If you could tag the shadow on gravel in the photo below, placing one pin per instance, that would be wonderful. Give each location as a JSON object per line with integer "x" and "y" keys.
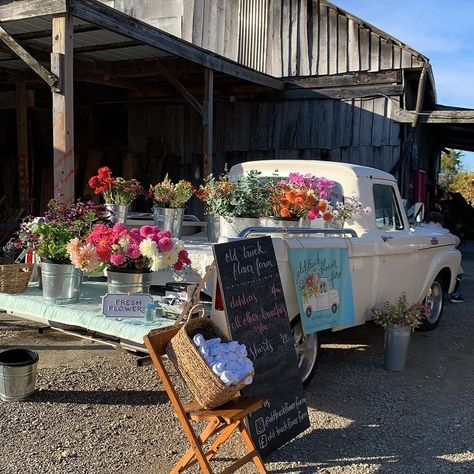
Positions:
{"x": 101, "y": 397}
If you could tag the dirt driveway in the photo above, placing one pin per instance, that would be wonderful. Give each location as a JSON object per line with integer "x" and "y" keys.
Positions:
{"x": 96, "y": 412}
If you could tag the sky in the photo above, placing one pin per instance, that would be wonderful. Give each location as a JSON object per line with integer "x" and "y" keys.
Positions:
{"x": 441, "y": 30}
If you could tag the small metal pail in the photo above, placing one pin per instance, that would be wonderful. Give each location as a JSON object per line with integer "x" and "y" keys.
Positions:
{"x": 128, "y": 282}
{"x": 61, "y": 283}
{"x": 169, "y": 219}
{"x": 18, "y": 368}
{"x": 117, "y": 213}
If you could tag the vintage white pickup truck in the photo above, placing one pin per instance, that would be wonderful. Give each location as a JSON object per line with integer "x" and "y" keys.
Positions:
{"x": 387, "y": 254}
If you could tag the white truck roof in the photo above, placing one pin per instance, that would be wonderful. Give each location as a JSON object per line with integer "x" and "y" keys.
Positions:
{"x": 328, "y": 169}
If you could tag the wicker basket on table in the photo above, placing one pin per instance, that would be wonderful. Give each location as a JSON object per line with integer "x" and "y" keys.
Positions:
{"x": 208, "y": 390}
{"x": 14, "y": 277}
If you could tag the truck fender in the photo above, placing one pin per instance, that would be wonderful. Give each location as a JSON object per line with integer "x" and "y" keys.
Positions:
{"x": 448, "y": 261}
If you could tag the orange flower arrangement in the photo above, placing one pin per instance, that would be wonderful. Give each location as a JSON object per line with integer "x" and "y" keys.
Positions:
{"x": 291, "y": 202}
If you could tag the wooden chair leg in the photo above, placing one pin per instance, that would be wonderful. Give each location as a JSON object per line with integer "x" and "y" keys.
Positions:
{"x": 222, "y": 438}
{"x": 184, "y": 462}
{"x": 257, "y": 460}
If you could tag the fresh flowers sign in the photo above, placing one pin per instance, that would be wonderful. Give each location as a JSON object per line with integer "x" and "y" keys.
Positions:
{"x": 323, "y": 287}
{"x": 119, "y": 249}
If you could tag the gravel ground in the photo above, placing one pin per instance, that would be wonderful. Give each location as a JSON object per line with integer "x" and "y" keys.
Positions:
{"x": 94, "y": 411}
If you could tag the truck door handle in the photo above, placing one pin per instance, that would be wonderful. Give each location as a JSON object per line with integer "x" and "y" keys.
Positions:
{"x": 386, "y": 237}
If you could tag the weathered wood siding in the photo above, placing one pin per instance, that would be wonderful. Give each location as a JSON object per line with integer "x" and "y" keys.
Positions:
{"x": 357, "y": 131}
{"x": 280, "y": 37}
{"x": 316, "y": 38}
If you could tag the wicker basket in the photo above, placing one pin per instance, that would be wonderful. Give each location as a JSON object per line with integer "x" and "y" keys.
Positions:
{"x": 206, "y": 387}
{"x": 14, "y": 277}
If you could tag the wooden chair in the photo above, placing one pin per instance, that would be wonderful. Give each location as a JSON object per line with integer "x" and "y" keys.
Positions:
{"x": 223, "y": 420}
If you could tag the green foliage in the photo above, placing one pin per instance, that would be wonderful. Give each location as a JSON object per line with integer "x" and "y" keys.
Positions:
{"x": 451, "y": 165}
{"x": 463, "y": 183}
{"x": 400, "y": 313}
{"x": 247, "y": 197}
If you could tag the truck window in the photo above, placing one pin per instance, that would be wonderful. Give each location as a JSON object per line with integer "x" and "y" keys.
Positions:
{"x": 387, "y": 212}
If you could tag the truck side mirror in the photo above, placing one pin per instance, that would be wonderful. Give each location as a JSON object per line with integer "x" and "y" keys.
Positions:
{"x": 416, "y": 213}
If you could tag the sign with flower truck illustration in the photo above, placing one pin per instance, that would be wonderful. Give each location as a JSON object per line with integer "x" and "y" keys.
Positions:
{"x": 323, "y": 287}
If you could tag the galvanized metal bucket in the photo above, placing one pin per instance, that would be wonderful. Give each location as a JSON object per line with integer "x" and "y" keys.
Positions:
{"x": 397, "y": 339}
{"x": 231, "y": 226}
{"x": 61, "y": 283}
{"x": 169, "y": 219}
{"x": 128, "y": 282}
{"x": 213, "y": 227}
{"x": 117, "y": 213}
{"x": 285, "y": 223}
{"x": 18, "y": 368}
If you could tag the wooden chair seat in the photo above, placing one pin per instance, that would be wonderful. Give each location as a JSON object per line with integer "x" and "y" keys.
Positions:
{"x": 222, "y": 421}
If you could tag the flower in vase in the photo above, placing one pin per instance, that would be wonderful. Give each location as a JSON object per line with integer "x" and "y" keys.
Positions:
{"x": 116, "y": 248}
{"x": 167, "y": 194}
{"x": 115, "y": 190}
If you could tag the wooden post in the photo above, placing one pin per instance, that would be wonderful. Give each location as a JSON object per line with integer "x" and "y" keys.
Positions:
{"x": 207, "y": 121}
{"x": 63, "y": 107}
{"x": 22, "y": 145}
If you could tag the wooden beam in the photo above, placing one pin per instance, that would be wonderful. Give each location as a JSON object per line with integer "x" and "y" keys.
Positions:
{"x": 50, "y": 78}
{"x": 48, "y": 33}
{"x": 107, "y": 47}
{"x": 207, "y": 122}
{"x": 434, "y": 116}
{"x": 341, "y": 92}
{"x": 184, "y": 92}
{"x": 22, "y": 144}
{"x": 114, "y": 20}
{"x": 344, "y": 80}
{"x": 63, "y": 108}
{"x": 21, "y": 9}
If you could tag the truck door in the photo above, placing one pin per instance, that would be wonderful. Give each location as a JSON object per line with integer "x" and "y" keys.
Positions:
{"x": 396, "y": 246}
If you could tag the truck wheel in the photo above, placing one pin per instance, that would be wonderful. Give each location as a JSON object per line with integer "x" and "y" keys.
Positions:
{"x": 434, "y": 301}
{"x": 307, "y": 350}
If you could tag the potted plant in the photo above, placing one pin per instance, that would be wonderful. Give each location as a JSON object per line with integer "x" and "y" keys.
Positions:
{"x": 118, "y": 193}
{"x": 48, "y": 236}
{"x": 238, "y": 204}
{"x": 169, "y": 200}
{"x": 128, "y": 255}
{"x": 399, "y": 320}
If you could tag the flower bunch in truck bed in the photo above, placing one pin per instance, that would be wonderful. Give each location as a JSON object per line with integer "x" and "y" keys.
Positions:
{"x": 302, "y": 196}
{"x": 167, "y": 194}
{"x": 115, "y": 190}
{"x": 119, "y": 249}
{"x": 249, "y": 196}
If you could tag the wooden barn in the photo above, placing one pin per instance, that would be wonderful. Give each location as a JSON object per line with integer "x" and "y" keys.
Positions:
{"x": 186, "y": 86}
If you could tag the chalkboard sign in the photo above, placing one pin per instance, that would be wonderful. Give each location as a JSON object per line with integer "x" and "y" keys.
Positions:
{"x": 257, "y": 317}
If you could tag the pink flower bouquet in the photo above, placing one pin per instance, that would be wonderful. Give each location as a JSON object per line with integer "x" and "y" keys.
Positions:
{"x": 116, "y": 248}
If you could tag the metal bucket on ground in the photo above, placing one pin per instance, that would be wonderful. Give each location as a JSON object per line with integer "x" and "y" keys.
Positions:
{"x": 397, "y": 339}
{"x": 18, "y": 368}
{"x": 124, "y": 282}
{"x": 117, "y": 213}
{"x": 169, "y": 219}
{"x": 61, "y": 283}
